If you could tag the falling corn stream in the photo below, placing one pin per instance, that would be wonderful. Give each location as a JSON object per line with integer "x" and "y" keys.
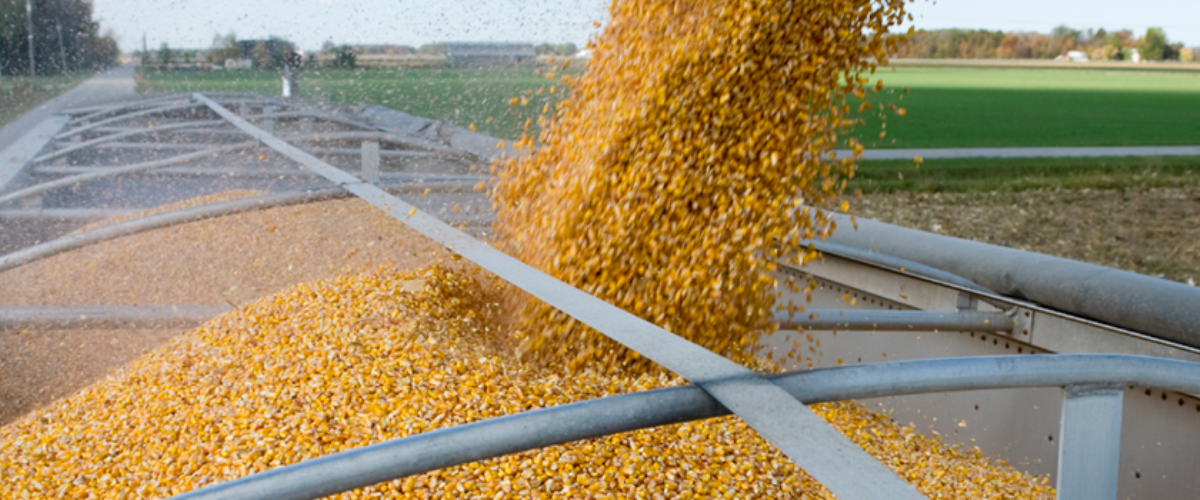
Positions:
{"x": 691, "y": 158}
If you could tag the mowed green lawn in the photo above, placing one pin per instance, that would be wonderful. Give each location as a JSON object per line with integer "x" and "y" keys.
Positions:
{"x": 1018, "y": 174}
{"x": 946, "y": 107}
{"x": 461, "y": 96}
{"x": 986, "y": 107}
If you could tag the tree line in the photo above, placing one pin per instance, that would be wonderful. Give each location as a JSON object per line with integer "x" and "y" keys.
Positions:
{"x": 65, "y": 38}
{"x": 1096, "y": 44}
{"x": 272, "y": 52}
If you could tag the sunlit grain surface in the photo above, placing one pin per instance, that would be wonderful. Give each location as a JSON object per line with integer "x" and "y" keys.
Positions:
{"x": 340, "y": 364}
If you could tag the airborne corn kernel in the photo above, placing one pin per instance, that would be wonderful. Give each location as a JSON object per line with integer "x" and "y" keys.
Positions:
{"x": 681, "y": 169}
{"x": 672, "y": 183}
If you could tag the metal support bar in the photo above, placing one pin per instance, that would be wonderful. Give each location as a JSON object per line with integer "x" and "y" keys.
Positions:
{"x": 1132, "y": 301}
{"x": 183, "y": 216}
{"x": 65, "y": 214}
{"x": 304, "y": 110}
{"x": 265, "y": 172}
{"x": 872, "y": 320}
{"x": 105, "y": 317}
{"x": 409, "y": 142}
{"x": 308, "y": 114}
{"x": 20, "y": 154}
{"x": 185, "y": 131}
{"x": 838, "y": 463}
{"x": 198, "y": 171}
{"x": 895, "y": 263}
{"x": 116, "y": 171}
{"x": 93, "y": 112}
{"x": 1089, "y": 443}
{"x": 98, "y": 110}
{"x": 122, "y": 135}
{"x": 370, "y": 161}
{"x": 101, "y": 123}
{"x": 383, "y": 153}
{"x": 268, "y": 118}
{"x": 535, "y": 429}
{"x": 266, "y": 114}
{"x": 151, "y": 146}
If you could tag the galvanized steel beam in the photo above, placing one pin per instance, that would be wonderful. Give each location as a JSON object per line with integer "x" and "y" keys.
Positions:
{"x": 93, "y": 112}
{"x": 1089, "y": 445}
{"x": 122, "y": 135}
{"x": 101, "y": 123}
{"x": 118, "y": 171}
{"x": 839, "y": 464}
{"x": 267, "y": 172}
{"x": 183, "y": 216}
{"x": 154, "y": 146}
{"x": 1140, "y": 303}
{"x": 892, "y": 262}
{"x": 64, "y": 214}
{"x": 386, "y": 153}
{"x": 410, "y": 142}
{"x": 197, "y": 131}
{"x": 105, "y": 317}
{"x": 370, "y": 161}
{"x": 875, "y": 320}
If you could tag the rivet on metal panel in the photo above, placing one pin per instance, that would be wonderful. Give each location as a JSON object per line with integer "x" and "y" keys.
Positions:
{"x": 1022, "y": 324}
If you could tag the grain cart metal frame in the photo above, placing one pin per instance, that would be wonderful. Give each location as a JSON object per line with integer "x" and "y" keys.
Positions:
{"x": 921, "y": 299}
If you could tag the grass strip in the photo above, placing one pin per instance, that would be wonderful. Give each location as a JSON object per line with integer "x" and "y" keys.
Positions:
{"x": 21, "y": 94}
{"x": 1021, "y": 174}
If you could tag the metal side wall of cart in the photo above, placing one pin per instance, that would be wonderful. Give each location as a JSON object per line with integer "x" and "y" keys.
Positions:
{"x": 1160, "y": 438}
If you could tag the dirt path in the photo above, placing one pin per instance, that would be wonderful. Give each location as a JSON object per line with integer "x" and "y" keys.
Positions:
{"x": 1150, "y": 231}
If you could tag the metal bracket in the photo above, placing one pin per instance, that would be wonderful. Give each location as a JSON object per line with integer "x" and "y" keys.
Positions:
{"x": 967, "y": 302}
{"x": 1089, "y": 445}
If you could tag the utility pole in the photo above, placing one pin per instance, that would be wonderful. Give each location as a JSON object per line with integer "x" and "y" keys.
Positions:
{"x": 62, "y": 50}
{"x": 29, "y": 19}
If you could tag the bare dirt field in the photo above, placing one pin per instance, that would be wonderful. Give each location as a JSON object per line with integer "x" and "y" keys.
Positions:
{"x": 1150, "y": 231}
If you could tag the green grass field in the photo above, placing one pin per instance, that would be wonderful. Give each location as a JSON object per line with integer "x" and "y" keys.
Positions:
{"x": 19, "y": 94}
{"x": 947, "y": 107}
{"x": 986, "y": 107}
{"x": 456, "y": 95}
{"x": 992, "y": 174}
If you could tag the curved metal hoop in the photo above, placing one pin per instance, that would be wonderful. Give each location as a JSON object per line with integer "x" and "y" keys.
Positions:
{"x": 509, "y": 434}
{"x": 212, "y": 210}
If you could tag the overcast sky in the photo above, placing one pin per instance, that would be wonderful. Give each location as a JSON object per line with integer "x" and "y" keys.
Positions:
{"x": 192, "y": 23}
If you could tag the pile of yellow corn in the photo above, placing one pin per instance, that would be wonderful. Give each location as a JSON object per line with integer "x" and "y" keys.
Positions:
{"x": 336, "y": 365}
{"x": 683, "y": 166}
{"x": 670, "y": 185}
